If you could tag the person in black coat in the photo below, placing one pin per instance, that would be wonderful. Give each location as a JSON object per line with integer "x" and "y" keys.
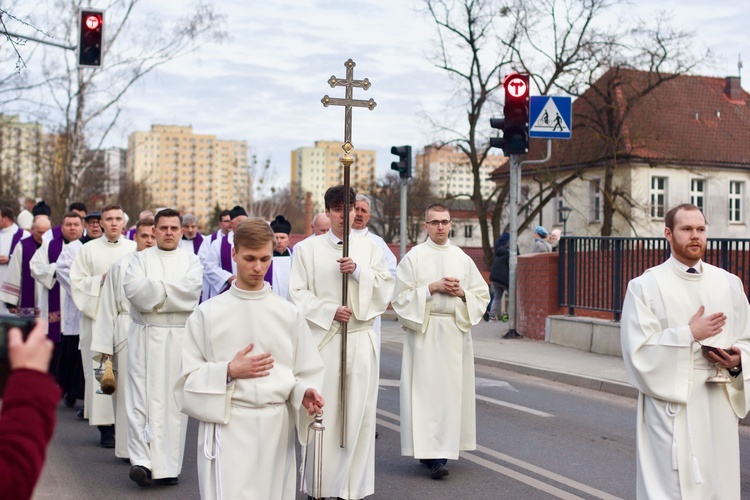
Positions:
{"x": 499, "y": 276}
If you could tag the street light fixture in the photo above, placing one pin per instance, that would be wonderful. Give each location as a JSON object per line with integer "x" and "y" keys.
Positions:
{"x": 564, "y": 214}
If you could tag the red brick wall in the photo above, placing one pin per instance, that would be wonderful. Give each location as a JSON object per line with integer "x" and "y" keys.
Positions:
{"x": 537, "y": 293}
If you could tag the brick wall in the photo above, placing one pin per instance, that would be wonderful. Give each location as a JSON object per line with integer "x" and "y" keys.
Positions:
{"x": 537, "y": 293}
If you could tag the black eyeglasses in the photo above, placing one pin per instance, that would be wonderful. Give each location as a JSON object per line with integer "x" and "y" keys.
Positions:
{"x": 436, "y": 223}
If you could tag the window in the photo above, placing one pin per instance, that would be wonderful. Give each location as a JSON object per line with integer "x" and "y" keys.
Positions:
{"x": 735, "y": 200}
{"x": 467, "y": 230}
{"x": 698, "y": 193}
{"x": 559, "y": 205}
{"x": 452, "y": 234}
{"x": 658, "y": 197}
{"x": 595, "y": 200}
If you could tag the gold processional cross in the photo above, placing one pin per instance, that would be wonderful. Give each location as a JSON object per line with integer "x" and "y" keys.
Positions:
{"x": 346, "y": 161}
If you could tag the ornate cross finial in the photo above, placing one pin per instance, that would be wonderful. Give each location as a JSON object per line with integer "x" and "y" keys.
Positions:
{"x": 348, "y": 101}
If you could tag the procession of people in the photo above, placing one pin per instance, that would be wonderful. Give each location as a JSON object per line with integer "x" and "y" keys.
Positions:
{"x": 241, "y": 331}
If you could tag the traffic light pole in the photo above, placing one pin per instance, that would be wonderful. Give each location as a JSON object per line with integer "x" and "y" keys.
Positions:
{"x": 45, "y": 42}
{"x": 515, "y": 188}
{"x": 402, "y": 222}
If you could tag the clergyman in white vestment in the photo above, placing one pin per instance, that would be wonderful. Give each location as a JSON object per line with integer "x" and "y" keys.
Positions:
{"x": 315, "y": 287}
{"x": 163, "y": 284}
{"x": 249, "y": 365}
{"x": 687, "y": 429}
{"x": 440, "y": 294}
{"x": 87, "y": 276}
{"x": 110, "y": 334}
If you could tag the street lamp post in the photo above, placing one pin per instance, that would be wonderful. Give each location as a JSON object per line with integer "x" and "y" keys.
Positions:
{"x": 565, "y": 213}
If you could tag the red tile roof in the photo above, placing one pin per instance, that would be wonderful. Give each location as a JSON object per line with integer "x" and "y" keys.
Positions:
{"x": 687, "y": 120}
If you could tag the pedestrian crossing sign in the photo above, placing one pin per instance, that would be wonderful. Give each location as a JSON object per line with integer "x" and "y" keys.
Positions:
{"x": 550, "y": 117}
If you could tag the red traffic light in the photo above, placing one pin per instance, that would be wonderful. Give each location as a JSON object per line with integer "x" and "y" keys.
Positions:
{"x": 90, "y": 36}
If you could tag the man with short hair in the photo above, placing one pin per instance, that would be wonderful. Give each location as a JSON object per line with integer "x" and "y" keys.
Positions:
{"x": 10, "y": 235}
{"x": 52, "y": 304}
{"x": 87, "y": 276}
{"x": 110, "y": 335}
{"x": 246, "y": 420}
{"x": 440, "y": 294}
{"x": 359, "y": 227}
{"x": 682, "y": 322}
{"x": 320, "y": 224}
{"x": 145, "y": 214}
{"x": 191, "y": 240}
{"x": 56, "y": 232}
{"x": 163, "y": 285}
{"x": 225, "y": 225}
{"x": 315, "y": 287}
{"x": 19, "y": 291}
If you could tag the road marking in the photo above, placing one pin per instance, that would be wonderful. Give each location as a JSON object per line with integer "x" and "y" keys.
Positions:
{"x": 532, "y": 411}
{"x": 497, "y": 402}
{"x": 480, "y": 382}
{"x": 552, "y": 490}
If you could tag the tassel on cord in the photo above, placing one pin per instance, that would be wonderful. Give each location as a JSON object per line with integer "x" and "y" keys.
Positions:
{"x": 672, "y": 412}
{"x": 147, "y": 436}
{"x": 697, "y": 472}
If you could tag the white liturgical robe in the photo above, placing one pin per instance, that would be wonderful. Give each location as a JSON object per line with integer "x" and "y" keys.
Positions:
{"x": 163, "y": 288}
{"x": 315, "y": 287}
{"x": 110, "y": 336}
{"x": 246, "y": 433}
{"x": 9, "y": 236}
{"x": 71, "y": 316}
{"x": 687, "y": 429}
{"x": 86, "y": 273}
{"x": 438, "y": 358}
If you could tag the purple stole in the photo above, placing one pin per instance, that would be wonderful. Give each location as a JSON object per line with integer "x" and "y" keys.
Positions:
{"x": 53, "y": 297}
{"x": 226, "y": 254}
{"x": 213, "y": 236}
{"x": 197, "y": 241}
{"x": 268, "y": 278}
{"x": 131, "y": 233}
{"x": 56, "y": 233}
{"x": 26, "y": 306}
{"x": 16, "y": 238}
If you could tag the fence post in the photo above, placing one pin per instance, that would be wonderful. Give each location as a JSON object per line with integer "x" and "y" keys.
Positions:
{"x": 561, "y": 254}
{"x": 571, "y": 276}
{"x": 617, "y": 279}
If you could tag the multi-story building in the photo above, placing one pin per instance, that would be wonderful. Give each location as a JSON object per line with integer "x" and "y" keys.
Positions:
{"x": 449, "y": 171}
{"x": 315, "y": 169}
{"x": 188, "y": 171}
{"x": 21, "y": 148}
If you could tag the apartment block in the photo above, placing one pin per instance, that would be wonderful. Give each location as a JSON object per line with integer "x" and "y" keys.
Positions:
{"x": 21, "y": 150}
{"x": 449, "y": 171}
{"x": 315, "y": 169}
{"x": 188, "y": 171}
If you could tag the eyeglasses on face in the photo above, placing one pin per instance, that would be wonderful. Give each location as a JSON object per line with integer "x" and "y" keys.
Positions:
{"x": 436, "y": 223}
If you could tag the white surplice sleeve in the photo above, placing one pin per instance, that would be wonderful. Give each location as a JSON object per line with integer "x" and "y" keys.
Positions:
{"x": 42, "y": 270}
{"x": 85, "y": 286}
{"x": 658, "y": 360}
{"x": 410, "y": 299}
{"x": 202, "y": 391}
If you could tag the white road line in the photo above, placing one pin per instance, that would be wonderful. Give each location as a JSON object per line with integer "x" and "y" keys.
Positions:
{"x": 559, "y": 493}
{"x": 515, "y": 407}
{"x": 532, "y": 411}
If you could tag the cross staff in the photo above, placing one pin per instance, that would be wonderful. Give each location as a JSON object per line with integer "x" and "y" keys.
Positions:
{"x": 346, "y": 161}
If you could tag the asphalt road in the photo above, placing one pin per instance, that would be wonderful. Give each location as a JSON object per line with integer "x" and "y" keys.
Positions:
{"x": 536, "y": 440}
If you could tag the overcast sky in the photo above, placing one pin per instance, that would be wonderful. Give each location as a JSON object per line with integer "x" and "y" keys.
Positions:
{"x": 265, "y": 83}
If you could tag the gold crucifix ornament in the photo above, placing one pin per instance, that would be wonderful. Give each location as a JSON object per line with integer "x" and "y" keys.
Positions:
{"x": 346, "y": 162}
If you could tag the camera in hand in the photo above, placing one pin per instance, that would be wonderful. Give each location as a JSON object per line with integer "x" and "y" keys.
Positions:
{"x": 7, "y": 322}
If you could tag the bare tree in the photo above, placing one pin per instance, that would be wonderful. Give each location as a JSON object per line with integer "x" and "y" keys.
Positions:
{"x": 85, "y": 103}
{"x": 385, "y": 212}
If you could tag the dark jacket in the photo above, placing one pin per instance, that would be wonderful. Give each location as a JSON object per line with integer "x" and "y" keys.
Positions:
{"x": 500, "y": 271}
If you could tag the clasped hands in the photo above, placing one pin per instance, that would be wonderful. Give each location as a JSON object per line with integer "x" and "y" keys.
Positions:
{"x": 259, "y": 365}
{"x": 448, "y": 285}
{"x": 704, "y": 327}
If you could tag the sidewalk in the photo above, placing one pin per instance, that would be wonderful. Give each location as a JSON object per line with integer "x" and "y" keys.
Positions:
{"x": 539, "y": 359}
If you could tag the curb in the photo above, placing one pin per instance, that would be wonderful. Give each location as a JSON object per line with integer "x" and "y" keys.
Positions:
{"x": 596, "y": 384}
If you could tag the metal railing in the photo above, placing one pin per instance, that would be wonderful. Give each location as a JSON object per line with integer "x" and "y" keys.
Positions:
{"x": 593, "y": 272}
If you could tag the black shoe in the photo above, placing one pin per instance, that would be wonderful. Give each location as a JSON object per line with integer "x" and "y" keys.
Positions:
{"x": 107, "y": 441}
{"x": 79, "y": 414}
{"x": 424, "y": 461}
{"x": 438, "y": 471}
{"x": 141, "y": 475}
{"x": 167, "y": 481}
